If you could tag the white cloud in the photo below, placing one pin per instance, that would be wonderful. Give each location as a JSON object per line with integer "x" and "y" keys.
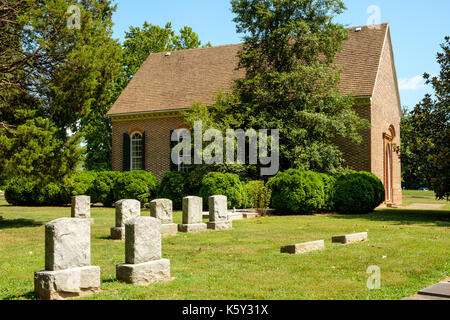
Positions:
{"x": 414, "y": 83}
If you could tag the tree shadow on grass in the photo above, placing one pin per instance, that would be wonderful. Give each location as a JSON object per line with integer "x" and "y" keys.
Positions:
{"x": 19, "y": 223}
{"x": 440, "y": 218}
{"x": 27, "y": 296}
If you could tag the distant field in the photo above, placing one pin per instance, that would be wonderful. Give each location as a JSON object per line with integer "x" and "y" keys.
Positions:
{"x": 427, "y": 197}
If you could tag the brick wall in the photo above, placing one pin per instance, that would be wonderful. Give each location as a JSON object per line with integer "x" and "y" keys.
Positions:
{"x": 357, "y": 156}
{"x": 157, "y": 142}
{"x": 386, "y": 112}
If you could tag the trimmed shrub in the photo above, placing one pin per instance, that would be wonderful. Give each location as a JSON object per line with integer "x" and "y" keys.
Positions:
{"x": 356, "y": 193}
{"x": 138, "y": 185}
{"x": 102, "y": 189}
{"x": 174, "y": 187}
{"x": 297, "y": 191}
{"x": 380, "y": 192}
{"x": 79, "y": 184}
{"x": 227, "y": 184}
{"x": 329, "y": 183}
{"x": 19, "y": 191}
{"x": 48, "y": 195}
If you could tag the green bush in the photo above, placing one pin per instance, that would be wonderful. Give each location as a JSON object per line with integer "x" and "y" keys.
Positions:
{"x": 297, "y": 191}
{"x": 227, "y": 184}
{"x": 102, "y": 189}
{"x": 174, "y": 187}
{"x": 357, "y": 193}
{"x": 259, "y": 195}
{"x": 47, "y": 195}
{"x": 380, "y": 192}
{"x": 138, "y": 185}
{"x": 19, "y": 191}
{"x": 79, "y": 184}
{"x": 329, "y": 183}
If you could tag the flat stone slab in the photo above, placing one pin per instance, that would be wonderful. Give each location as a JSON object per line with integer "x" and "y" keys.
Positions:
{"x": 144, "y": 273}
{"x": 351, "y": 238}
{"x": 170, "y": 229}
{"x": 441, "y": 290}
{"x": 304, "y": 247}
{"x": 187, "y": 228}
{"x": 118, "y": 233}
{"x": 222, "y": 225}
{"x": 69, "y": 283}
{"x": 235, "y": 216}
{"x": 249, "y": 215}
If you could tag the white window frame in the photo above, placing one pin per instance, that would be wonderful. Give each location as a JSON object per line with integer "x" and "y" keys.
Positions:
{"x": 131, "y": 150}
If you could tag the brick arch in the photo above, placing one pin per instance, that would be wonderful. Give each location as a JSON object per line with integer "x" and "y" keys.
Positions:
{"x": 130, "y": 132}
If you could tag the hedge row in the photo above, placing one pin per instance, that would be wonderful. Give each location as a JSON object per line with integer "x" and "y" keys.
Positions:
{"x": 289, "y": 192}
{"x": 305, "y": 192}
{"x": 103, "y": 187}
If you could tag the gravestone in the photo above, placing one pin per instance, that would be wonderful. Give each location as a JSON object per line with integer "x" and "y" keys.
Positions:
{"x": 351, "y": 238}
{"x": 81, "y": 207}
{"x": 218, "y": 213}
{"x": 68, "y": 272}
{"x": 304, "y": 247}
{"x": 143, "y": 262}
{"x": 126, "y": 210}
{"x": 162, "y": 209}
{"x": 192, "y": 215}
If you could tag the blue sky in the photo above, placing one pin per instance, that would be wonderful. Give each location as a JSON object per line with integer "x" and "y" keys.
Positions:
{"x": 417, "y": 29}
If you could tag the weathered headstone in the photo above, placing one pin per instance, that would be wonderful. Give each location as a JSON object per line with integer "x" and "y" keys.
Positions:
{"x": 81, "y": 207}
{"x": 68, "y": 272}
{"x": 126, "y": 210}
{"x": 143, "y": 263}
{"x": 162, "y": 209}
{"x": 304, "y": 247}
{"x": 218, "y": 213}
{"x": 192, "y": 215}
{"x": 350, "y": 238}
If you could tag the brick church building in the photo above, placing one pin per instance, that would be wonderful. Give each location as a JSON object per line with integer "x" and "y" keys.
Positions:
{"x": 148, "y": 110}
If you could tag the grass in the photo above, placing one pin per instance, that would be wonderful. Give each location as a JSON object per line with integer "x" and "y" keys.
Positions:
{"x": 425, "y": 197}
{"x": 410, "y": 247}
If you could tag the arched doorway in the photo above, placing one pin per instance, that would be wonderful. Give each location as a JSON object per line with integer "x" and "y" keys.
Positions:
{"x": 388, "y": 172}
{"x": 388, "y": 164}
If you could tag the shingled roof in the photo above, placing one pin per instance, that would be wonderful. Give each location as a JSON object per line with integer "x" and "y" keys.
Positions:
{"x": 171, "y": 82}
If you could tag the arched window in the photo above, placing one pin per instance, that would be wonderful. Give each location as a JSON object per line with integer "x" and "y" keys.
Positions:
{"x": 137, "y": 151}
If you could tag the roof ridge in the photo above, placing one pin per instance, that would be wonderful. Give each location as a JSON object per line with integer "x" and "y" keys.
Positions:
{"x": 241, "y": 43}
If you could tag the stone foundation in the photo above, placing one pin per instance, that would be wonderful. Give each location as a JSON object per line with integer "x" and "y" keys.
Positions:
{"x": 118, "y": 233}
{"x": 144, "y": 273}
{"x": 187, "y": 228}
{"x": 170, "y": 229}
{"x": 69, "y": 283}
{"x": 222, "y": 225}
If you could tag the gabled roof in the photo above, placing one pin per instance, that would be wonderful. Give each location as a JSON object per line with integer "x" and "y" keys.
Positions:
{"x": 172, "y": 82}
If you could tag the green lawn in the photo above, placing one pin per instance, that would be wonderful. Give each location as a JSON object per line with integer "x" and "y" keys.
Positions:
{"x": 410, "y": 247}
{"x": 427, "y": 197}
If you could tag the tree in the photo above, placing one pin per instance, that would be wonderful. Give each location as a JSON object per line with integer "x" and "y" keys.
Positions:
{"x": 50, "y": 76}
{"x": 291, "y": 82}
{"x": 429, "y": 128}
{"x": 412, "y": 177}
{"x": 139, "y": 43}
